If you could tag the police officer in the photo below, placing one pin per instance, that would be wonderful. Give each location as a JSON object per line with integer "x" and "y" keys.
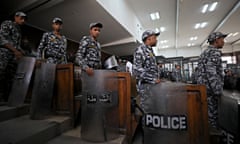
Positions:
{"x": 194, "y": 76}
{"x": 88, "y": 56}
{"x": 53, "y": 45}
{"x": 210, "y": 73}
{"x": 144, "y": 65}
{"x": 160, "y": 71}
{"x": 176, "y": 74}
{"x": 10, "y": 50}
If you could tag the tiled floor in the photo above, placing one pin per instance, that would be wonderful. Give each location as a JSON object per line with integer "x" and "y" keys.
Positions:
{"x": 74, "y": 137}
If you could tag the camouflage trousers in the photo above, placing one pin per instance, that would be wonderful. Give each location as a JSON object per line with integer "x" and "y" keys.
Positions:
{"x": 143, "y": 91}
{"x": 8, "y": 66}
{"x": 212, "y": 101}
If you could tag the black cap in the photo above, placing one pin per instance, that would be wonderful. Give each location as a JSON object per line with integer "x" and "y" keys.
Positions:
{"x": 95, "y": 25}
{"x": 213, "y": 36}
{"x": 149, "y": 33}
{"x": 21, "y": 14}
{"x": 57, "y": 20}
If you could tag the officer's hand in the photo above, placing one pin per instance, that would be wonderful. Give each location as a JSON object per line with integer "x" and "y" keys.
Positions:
{"x": 157, "y": 81}
{"x": 89, "y": 71}
{"x": 38, "y": 63}
{"x": 18, "y": 54}
{"x": 22, "y": 51}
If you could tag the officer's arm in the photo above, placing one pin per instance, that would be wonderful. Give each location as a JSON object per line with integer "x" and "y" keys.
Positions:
{"x": 100, "y": 55}
{"x": 65, "y": 51}
{"x": 80, "y": 58}
{"x": 214, "y": 78}
{"x": 5, "y": 39}
{"x": 139, "y": 70}
{"x": 41, "y": 46}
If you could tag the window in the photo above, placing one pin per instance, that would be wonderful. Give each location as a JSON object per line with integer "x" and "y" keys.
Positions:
{"x": 229, "y": 59}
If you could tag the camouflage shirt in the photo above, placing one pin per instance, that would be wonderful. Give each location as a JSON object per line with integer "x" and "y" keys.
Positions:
{"x": 10, "y": 33}
{"x": 210, "y": 71}
{"x": 144, "y": 65}
{"x": 88, "y": 54}
{"x": 53, "y": 48}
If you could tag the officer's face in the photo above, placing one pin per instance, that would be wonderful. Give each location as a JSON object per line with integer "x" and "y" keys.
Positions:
{"x": 57, "y": 26}
{"x": 219, "y": 42}
{"x": 95, "y": 32}
{"x": 19, "y": 20}
{"x": 153, "y": 40}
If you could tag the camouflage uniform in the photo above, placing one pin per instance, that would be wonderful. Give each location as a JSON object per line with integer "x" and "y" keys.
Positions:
{"x": 145, "y": 69}
{"x": 53, "y": 48}
{"x": 10, "y": 33}
{"x": 210, "y": 74}
{"x": 88, "y": 54}
{"x": 176, "y": 75}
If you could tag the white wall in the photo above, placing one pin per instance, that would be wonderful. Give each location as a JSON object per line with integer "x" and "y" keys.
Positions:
{"x": 121, "y": 11}
{"x": 185, "y": 52}
{"x": 236, "y": 47}
{"x": 191, "y": 51}
{"x": 227, "y": 49}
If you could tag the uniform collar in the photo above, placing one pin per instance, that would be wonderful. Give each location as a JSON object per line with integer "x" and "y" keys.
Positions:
{"x": 214, "y": 48}
{"x": 93, "y": 38}
{"x": 17, "y": 25}
{"x": 149, "y": 47}
{"x": 54, "y": 33}
{"x": 211, "y": 46}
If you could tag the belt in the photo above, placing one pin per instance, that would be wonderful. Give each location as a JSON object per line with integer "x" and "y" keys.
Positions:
{"x": 143, "y": 82}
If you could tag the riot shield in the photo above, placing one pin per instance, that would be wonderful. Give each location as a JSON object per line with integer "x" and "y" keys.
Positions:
{"x": 229, "y": 117}
{"x": 165, "y": 118}
{"x": 42, "y": 91}
{"x": 21, "y": 81}
{"x": 100, "y": 118}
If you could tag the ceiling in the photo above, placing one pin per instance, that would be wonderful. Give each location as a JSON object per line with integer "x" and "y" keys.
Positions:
{"x": 180, "y": 16}
{"x": 76, "y": 15}
{"x": 177, "y": 16}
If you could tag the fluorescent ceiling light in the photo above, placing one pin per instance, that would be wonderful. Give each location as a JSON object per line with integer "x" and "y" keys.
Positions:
{"x": 197, "y": 26}
{"x": 165, "y": 46}
{"x": 200, "y": 25}
{"x": 190, "y": 44}
{"x": 232, "y": 34}
{"x": 163, "y": 41}
{"x": 229, "y": 35}
{"x": 213, "y": 6}
{"x": 193, "y": 38}
{"x": 204, "y": 9}
{"x": 162, "y": 29}
{"x": 236, "y": 33}
{"x": 155, "y": 16}
{"x": 203, "y": 25}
